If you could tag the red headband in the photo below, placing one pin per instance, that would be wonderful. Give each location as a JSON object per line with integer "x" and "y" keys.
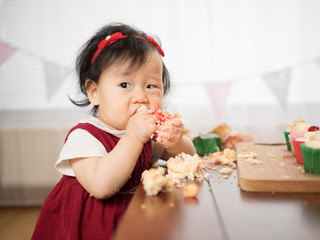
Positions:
{"x": 116, "y": 37}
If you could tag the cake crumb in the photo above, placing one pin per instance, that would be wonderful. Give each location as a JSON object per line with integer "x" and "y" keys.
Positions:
{"x": 244, "y": 149}
{"x": 282, "y": 164}
{"x": 171, "y": 204}
{"x": 284, "y": 156}
{"x": 271, "y": 155}
{"x": 143, "y": 206}
{"x": 190, "y": 190}
{"x": 255, "y": 162}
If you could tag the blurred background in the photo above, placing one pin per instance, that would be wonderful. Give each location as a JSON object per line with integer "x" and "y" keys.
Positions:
{"x": 254, "y": 65}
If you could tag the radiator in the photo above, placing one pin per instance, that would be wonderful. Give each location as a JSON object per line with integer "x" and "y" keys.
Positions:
{"x": 27, "y": 157}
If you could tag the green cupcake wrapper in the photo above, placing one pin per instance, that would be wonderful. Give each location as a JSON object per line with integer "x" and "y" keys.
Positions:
{"x": 311, "y": 159}
{"x": 286, "y": 135}
{"x": 207, "y": 143}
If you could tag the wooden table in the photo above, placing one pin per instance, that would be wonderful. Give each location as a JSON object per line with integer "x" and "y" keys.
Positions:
{"x": 222, "y": 211}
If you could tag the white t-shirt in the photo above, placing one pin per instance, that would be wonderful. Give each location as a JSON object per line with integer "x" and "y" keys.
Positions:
{"x": 81, "y": 143}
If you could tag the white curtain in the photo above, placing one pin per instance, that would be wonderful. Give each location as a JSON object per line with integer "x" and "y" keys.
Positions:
{"x": 261, "y": 54}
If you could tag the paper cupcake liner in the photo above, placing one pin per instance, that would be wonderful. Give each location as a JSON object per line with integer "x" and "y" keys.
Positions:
{"x": 297, "y": 147}
{"x": 292, "y": 148}
{"x": 207, "y": 143}
{"x": 286, "y": 136}
{"x": 311, "y": 159}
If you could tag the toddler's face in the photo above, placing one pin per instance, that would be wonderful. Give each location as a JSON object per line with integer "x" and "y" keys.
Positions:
{"x": 122, "y": 91}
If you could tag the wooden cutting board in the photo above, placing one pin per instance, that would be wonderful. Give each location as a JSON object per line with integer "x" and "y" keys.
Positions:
{"x": 275, "y": 174}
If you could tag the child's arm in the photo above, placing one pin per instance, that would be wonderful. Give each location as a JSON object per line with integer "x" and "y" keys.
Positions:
{"x": 104, "y": 176}
{"x": 175, "y": 142}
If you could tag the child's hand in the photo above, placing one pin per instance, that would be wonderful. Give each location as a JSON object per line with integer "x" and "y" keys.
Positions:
{"x": 141, "y": 125}
{"x": 171, "y": 138}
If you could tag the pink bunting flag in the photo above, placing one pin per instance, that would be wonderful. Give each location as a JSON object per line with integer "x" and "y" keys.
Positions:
{"x": 279, "y": 83}
{"x": 5, "y": 52}
{"x": 218, "y": 94}
{"x": 317, "y": 62}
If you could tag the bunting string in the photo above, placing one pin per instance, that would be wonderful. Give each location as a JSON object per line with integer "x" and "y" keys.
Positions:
{"x": 278, "y": 81}
{"x": 55, "y": 73}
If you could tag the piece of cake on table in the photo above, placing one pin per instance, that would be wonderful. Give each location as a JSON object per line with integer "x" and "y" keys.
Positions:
{"x": 185, "y": 166}
{"x": 229, "y": 137}
{"x": 154, "y": 181}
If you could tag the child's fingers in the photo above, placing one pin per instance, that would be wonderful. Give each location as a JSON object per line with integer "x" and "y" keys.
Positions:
{"x": 165, "y": 137}
{"x": 176, "y": 123}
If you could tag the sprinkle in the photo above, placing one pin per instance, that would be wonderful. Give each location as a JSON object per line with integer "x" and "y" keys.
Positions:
{"x": 284, "y": 156}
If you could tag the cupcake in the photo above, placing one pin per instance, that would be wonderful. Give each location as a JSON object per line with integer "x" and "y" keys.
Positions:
{"x": 297, "y": 132}
{"x": 287, "y": 132}
{"x": 298, "y": 141}
{"x": 311, "y": 153}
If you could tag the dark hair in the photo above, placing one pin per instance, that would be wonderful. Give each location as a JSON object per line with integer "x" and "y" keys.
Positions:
{"x": 132, "y": 49}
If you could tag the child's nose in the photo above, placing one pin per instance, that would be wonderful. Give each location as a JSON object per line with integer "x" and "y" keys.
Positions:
{"x": 140, "y": 96}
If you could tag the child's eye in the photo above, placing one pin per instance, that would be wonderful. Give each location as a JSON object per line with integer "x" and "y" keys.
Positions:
{"x": 125, "y": 85}
{"x": 151, "y": 86}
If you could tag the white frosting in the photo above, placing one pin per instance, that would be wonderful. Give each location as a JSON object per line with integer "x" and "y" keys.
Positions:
{"x": 295, "y": 123}
{"x": 314, "y": 140}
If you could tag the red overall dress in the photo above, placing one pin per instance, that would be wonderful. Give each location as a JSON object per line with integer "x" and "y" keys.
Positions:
{"x": 70, "y": 213}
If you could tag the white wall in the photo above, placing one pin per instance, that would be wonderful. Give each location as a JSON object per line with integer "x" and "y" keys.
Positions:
{"x": 204, "y": 42}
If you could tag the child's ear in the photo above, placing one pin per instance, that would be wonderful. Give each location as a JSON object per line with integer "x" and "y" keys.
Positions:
{"x": 92, "y": 92}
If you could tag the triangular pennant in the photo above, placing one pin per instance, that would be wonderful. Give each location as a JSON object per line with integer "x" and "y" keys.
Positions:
{"x": 5, "y": 52}
{"x": 218, "y": 94}
{"x": 317, "y": 62}
{"x": 54, "y": 77}
{"x": 278, "y": 83}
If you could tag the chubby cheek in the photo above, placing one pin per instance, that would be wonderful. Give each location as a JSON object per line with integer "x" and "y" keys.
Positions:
{"x": 156, "y": 102}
